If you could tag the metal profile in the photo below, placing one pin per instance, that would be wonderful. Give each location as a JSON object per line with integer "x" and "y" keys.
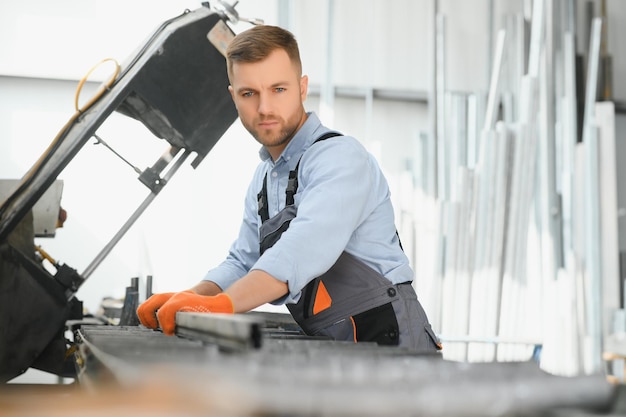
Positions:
{"x": 440, "y": 88}
{"x": 611, "y": 297}
{"x": 493, "y": 100}
{"x": 592, "y": 209}
{"x": 500, "y": 219}
{"x": 462, "y": 276}
{"x": 478, "y": 313}
{"x": 433, "y": 107}
{"x": 449, "y": 311}
{"x": 569, "y": 138}
{"x": 228, "y": 331}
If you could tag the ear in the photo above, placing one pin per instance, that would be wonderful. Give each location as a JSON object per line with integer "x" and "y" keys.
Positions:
{"x": 232, "y": 96}
{"x": 304, "y": 87}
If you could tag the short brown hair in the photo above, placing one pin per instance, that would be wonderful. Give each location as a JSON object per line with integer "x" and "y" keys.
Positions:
{"x": 256, "y": 43}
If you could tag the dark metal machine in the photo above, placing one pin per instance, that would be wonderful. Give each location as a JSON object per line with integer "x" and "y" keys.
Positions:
{"x": 176, "y": 85}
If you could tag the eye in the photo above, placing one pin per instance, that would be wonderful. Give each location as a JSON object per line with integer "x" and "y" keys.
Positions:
{"x": 280, "y": 89}
{"x": 247, "y": 94}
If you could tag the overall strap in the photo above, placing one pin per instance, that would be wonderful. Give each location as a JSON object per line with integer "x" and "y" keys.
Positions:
{"x": 292, "y": 183}
{"x": 262, "y": 202}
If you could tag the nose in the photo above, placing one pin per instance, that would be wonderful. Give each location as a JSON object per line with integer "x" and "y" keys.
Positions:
{"x": 265, "y": 105}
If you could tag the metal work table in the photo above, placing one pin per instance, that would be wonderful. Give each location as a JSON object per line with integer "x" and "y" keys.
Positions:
{"x": 285, "y": 373}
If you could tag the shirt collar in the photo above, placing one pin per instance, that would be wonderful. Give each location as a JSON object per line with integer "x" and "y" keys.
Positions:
{"x": 300, "y": 141}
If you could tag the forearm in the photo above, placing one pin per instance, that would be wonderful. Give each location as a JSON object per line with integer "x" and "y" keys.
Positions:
{"x": 254, "y": 289}
{"x": 206, "y": 288}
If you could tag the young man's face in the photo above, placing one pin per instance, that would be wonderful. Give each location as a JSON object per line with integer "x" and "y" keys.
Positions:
{"x": 268, "y": 95}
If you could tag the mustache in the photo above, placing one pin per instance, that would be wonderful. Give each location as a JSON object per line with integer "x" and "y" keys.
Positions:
{"x": 268, "y": 119}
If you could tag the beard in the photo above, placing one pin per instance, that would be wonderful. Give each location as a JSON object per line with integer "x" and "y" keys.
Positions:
{"x": 270, "y": 138}
{"x": 274, "y": 137}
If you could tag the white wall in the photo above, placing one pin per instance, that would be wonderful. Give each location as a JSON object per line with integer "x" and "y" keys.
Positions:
{"x": 63, "y": 39}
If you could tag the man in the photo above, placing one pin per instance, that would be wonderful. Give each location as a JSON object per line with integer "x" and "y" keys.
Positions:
{"x": 318, "y": 231}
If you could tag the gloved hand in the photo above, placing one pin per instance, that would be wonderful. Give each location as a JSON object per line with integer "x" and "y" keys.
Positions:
{"x": 192, "y": 302}
{"x": 147, "y": 310}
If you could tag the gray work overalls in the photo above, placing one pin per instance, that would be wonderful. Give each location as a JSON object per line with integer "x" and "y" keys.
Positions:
{"x": 351, "y": 301}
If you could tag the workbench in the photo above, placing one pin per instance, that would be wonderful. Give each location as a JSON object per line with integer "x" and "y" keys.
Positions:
{"x": 262, "y": 364}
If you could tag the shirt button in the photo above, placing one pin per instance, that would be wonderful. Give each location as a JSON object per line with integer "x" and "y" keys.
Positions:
{"x": 274, "y": 174}
{"x": 288, "y": 158}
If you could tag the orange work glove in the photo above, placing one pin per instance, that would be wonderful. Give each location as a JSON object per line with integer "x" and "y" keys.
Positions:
{"x": 147, "y": 310}
{"x": 192, "y": 302}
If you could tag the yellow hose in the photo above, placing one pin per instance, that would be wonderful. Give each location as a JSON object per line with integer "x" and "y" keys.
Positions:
{"x": 79, "y": 110}
{"x": 45, "y": 255}
{"x": 105, "y": 86}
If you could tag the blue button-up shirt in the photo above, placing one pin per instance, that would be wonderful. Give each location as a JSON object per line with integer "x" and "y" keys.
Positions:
{"x": 343, "y": 204}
